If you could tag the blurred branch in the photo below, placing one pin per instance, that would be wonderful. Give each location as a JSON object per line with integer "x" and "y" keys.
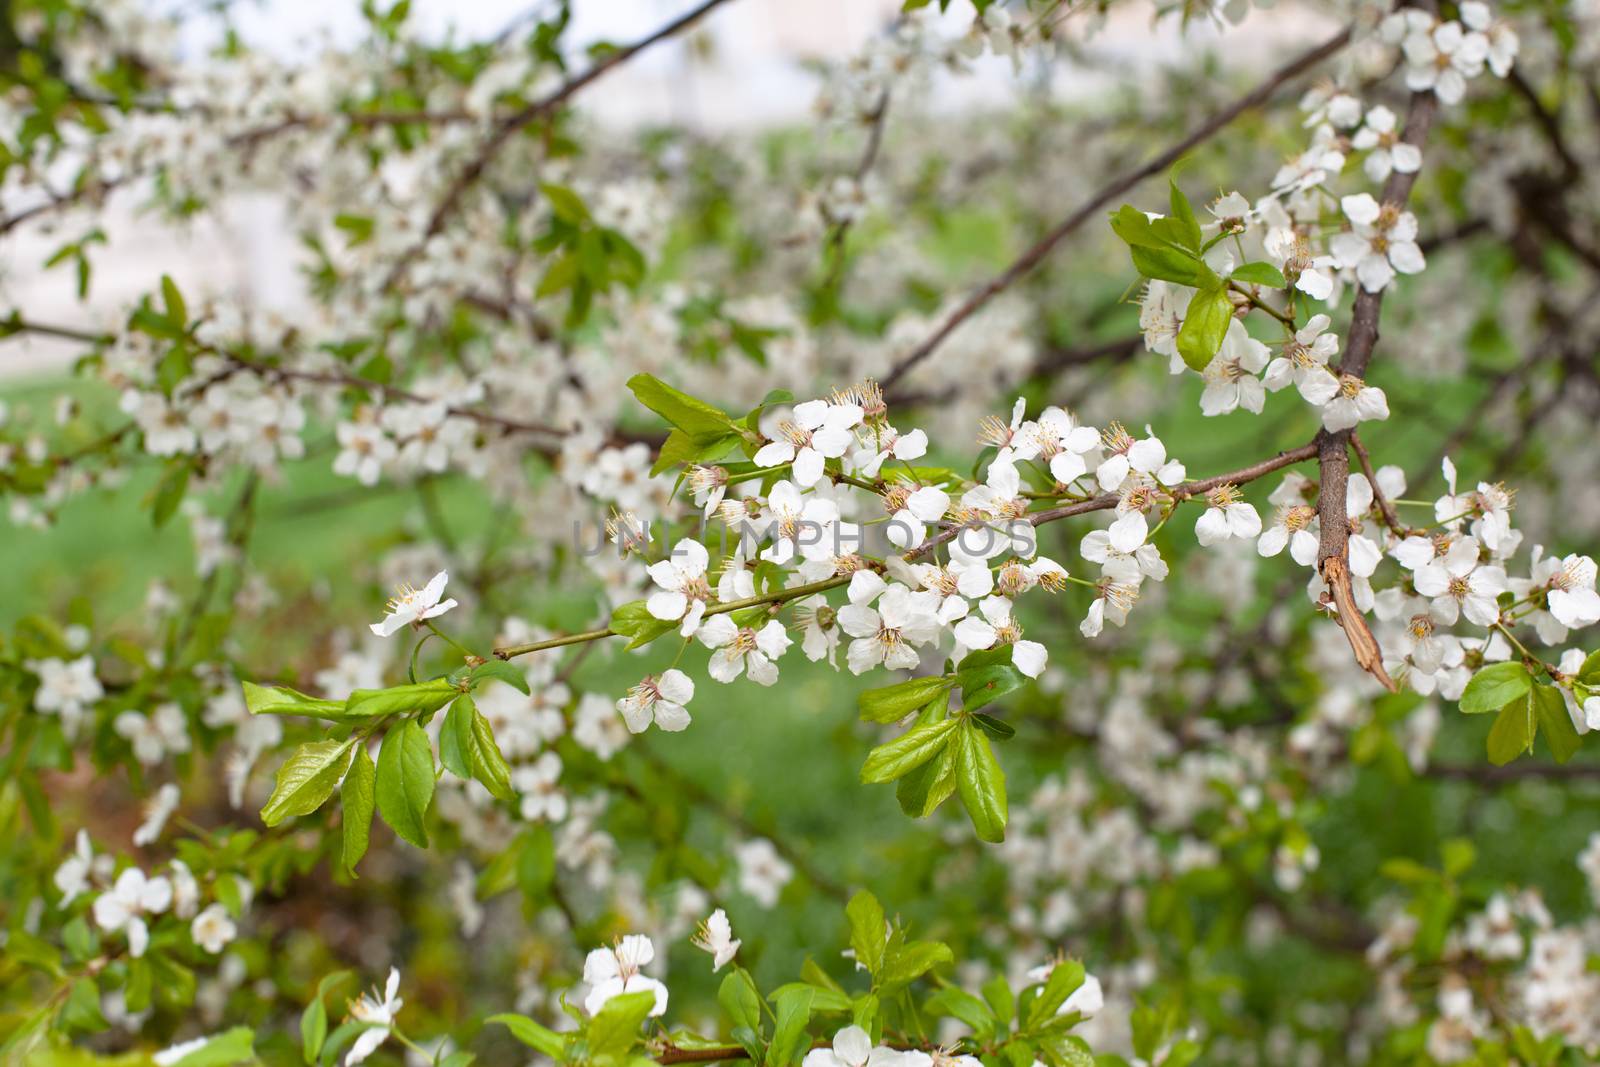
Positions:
{"x": 1521, "y": 771}
{"x": 512, "y": 124}
{"x": 1036, "y": 254}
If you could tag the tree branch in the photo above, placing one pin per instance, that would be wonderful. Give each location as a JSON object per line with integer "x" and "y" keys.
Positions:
{"x": 1333, "y": 455}
{"x": 1103, "y": 502}
{"x": 1035, "y": 255}
{"x": 509, "y": 126}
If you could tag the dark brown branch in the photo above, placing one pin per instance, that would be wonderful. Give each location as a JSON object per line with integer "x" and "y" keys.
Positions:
{"x": 1333, "y": 455}
{"x": 1035, "y": 255}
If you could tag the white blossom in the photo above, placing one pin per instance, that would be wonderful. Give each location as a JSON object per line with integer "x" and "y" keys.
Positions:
{"x": 613, "y": 971}
{"x": 415, "y": 606}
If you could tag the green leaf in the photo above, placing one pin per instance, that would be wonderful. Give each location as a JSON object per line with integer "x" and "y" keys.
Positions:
{"x": 1559, "y": 733}
{"x": 281, "y": 700}
{"x": 998, "y": 994}
{"x": 981, "y": 783}
{"x": 229, "y": 1047}
{"x": 306, "y": 779}
{"x": 984, "y": 685}
{"x": 1409, "y": 871}
{"x": 789, "y": 1032}
{"x": 405, "y": 781}
{"x": 567, "y": 205}
{"x": 314, "y": 1020}
{"x": 823, "y": 1001}
{"x": 80, "y": 1011}
{"x": 694, "y": 417}
{"x": 1513, "y": 730}
{"x": 634, "y": 620}
{"x": 921, "y": 791}
{"x": 1065, "y": 978}
{"x": 958, "y": 1003}
{"x": 1204, "y": 326}
{"x": 508, "y": 673}
{"x": 911, "y": 961}
{"x": 1457, "y": 855}
{"x": 1133, "y": 226}
{"x": 421, "y": 697}
{"x": 534, "y": 1035}
{"x": 473, "y": 741}
{"x": 908, "y": 751}
{"x": 357, "y": 797}
{"x": 740, "y": 1000}
{"x": 1187, "y": 230}
{"x": 1173, "y": 265}
{"x": 1495, "y": 686}
{"x": 172, "y": 299}
{"x": 451, "y": 754}
{"x": 894, "y": 702}
{"x": 869, "y": 930}
{"x": 1259, "y": 273}
{"x": 680, "y": 448}
{"x": 1589, "y": 673}
{"x": 615, "y": 1028}
{"x": 996, "y": 728}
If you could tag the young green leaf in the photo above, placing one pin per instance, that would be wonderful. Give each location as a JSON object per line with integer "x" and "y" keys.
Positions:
{"x": 1559, "y": 733}
{"x": 634, "y": 620}
{"x": 921, "y": 791}
{"x": 405, "y": 781}
{"x": 535, "y": 1035}
{"x": 1259, "y": 273}
{"x": 1187, "y": 229}
{"x": 788, "y": 1033}
{"x": 472, "y": 740}
{"x": 172, "y": 301}
{"x": 615, "y": 1028}
{"x": 421, "y": 696}
{"x": 357, "y": 798}
{"x": 984, "y": 685}
{"x": 306, "y": 779}
{"x": 1495, "y": 686}
{"x": 509, "y": 673}
{"x": 894, "y": 702}
{"x": 1065, "y": 978}
{"x": 694, "y": 417}
{"x": 910, "y": 750}
{"x": 314, "y": 1020}
{"x": 982, "y": 784}
{"x": 1513, "y": 730}
{"x": 221, "y": 1050}
{"x": 740, "y": 1000}
{"x": 281, "y": 700}
{"x": 868, "y": 930}
{"x": 912, "y": 960}
{"x": 995, "y": 728}
{"x": 1204, "y": 326}
{"x": 1173, "y": 265}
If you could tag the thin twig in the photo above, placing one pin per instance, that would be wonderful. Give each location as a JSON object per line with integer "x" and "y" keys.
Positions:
{"x": 1385, "y": 508}
{"x": 1103, "y": 502}
{"x": 1036, "y": 254}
